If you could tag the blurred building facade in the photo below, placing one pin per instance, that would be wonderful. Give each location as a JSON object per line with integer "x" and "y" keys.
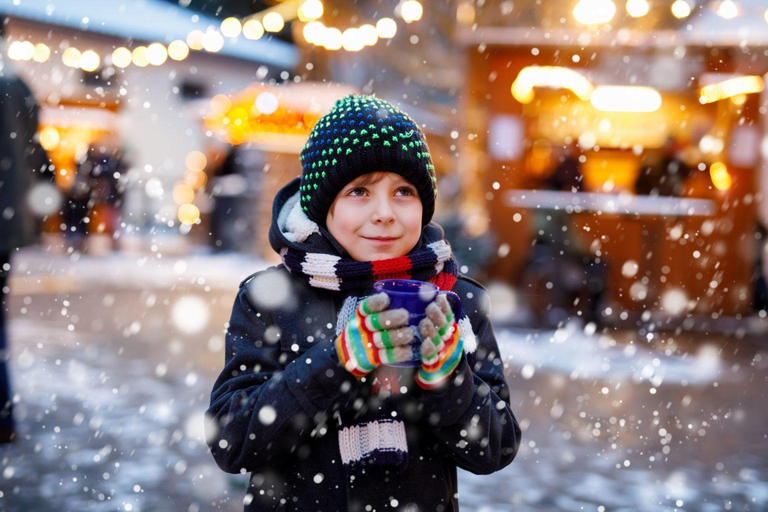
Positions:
{"x": 126, "y": 77}
{"x": 664, "y": 109}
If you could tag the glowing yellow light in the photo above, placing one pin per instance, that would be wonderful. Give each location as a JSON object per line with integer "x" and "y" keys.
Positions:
{"x": 71, "y": 57}
{"x": 15, "y": 51}
{"x": 196, "y": 161}
{"x": 310, "y": 10}
{"x": 332, "y": 39}
{"x": 273, "y": 22}
{"x": 121, "y": 57}
{"x": 22, "y": 50}
{"x": 592, "y": 12}
{"x": 765, "y": 15}
{"x": 637, "y": 8}
{"x": 27, "y": 50}
{"x": 89, "y": 61}
{"x": 156, "y": 54}
{"x": 368, "y": 35}
{"x": 231, "y": 27}
{"x": 728, "y": 10}
{"x": 253, "y": 29}
{"x": 549, "y": 76}
{"x": 178, "y": 50}
{"x": 681, "y": 9}
{"x": 188, "y": 214}
{"x": 721, "y": 178}
{"x": 49, "y": 138}
{"x": 213, "y": 41}
{"x": 183, "y": 193}
{"x": 195, "y": 39}
{"x": 313, "y": 32}
{"x": 411, "y": 10}
{"x": 220, "y": 104}
{"x": 739, "y": 99}
{"x": 729, "y": 88}
{"x": 386, "y": 28}
{"x": 139, "y": 56}
{"x": 351, "y": 40}
{"x": 465, "y": 13}
{"x": 620, "y": 98}
{"x": 42, "y": 52}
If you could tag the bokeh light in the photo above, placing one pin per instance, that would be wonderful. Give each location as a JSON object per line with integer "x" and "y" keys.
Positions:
{"x": 253, "y": 29}
{"x": 121, "y": 57}
{"x": 71, "y": 57}
{"x": 386, "y": 28}
{"x": 273, "y": 22}
{"x": 178, "y": 50}
{"x": 156, "y": 54}
{"x": 231, "y": 27}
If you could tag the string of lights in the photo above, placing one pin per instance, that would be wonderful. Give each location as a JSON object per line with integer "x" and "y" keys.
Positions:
{"x": 309, "y": 12}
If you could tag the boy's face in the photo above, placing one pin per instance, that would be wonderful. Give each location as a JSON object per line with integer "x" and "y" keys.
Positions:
{"x": 376, "y": 217}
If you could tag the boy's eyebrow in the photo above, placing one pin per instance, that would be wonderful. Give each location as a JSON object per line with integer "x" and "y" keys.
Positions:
{"x": 363, "y": 181}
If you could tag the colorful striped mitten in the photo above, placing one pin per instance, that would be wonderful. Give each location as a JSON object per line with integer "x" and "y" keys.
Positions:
{"x": 374, "y": 336}
{"x": 442, "y": 346}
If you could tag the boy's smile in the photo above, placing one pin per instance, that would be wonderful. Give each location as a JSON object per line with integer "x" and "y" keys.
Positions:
{"x": 377, "y": 216}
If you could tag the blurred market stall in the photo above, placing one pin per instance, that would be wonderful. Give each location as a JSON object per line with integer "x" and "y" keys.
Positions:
{"x": 659, "y": 109}
{"x": 119, "y": 78}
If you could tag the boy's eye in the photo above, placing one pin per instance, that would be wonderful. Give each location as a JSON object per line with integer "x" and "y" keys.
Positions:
{"x": 362, "y": 190}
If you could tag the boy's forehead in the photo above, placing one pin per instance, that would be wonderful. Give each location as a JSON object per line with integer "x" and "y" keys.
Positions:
{"x": 375, "y": 177}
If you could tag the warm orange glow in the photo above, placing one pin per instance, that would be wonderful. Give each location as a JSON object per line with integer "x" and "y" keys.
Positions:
{"x": 254, "y": 114}
{"x": 183, "y": 193}
{"x": 189, "y": 214}
{"x": 49, "y": 138}
{"x": 196, "y": 180}
{"x": 721, "y": 178}
{"x": 196, "y": 161}
{"x": 732, "y": 87}
{"x": 555, "y": 77}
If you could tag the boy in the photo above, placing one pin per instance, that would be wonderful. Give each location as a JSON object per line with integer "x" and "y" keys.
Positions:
{"x": 308, "y": 401}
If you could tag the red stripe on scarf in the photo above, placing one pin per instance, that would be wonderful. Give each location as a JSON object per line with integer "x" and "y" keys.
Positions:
{"x": 444, "y": 281}
{"x": 392, "y": 268}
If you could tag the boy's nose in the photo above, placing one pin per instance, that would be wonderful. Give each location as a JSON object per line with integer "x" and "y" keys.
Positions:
{"x": 383, "y": 211}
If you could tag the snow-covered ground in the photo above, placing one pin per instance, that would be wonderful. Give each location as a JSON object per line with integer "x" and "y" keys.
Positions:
{"x": 113, "y": 362}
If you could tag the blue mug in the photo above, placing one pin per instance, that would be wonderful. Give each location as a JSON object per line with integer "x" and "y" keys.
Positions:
{"x": 414, "y": 296}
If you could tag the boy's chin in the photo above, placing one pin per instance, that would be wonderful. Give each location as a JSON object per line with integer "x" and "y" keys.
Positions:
{"x": 380, "y": 254}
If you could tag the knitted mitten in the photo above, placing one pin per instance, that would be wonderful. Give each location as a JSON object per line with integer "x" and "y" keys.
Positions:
{"x": 374, "y": 336}
{"x": 442, "y": 346}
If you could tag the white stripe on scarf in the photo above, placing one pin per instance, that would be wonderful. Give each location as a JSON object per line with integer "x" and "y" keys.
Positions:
{"x": 357, "y": 441}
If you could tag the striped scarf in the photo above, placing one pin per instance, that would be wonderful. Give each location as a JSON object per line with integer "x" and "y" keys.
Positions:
{"x": 373, "y": 436}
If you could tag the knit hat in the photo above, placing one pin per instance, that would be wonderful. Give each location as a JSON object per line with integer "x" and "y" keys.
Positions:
{"x": 360, "y": 135}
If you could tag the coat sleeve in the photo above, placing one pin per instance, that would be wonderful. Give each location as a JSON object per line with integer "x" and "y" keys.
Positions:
{"x": 262, "y": 408}
{"x": 471, "y": 415}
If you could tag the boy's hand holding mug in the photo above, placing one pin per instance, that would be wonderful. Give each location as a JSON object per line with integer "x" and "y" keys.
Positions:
{"x": 442, "y": 345}
{"x": 374, "y": 336}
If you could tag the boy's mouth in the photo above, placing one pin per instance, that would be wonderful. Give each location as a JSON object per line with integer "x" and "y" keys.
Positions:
{"x": 381, "y": 238}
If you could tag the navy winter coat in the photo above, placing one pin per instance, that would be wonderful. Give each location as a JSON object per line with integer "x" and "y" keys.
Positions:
{"x": 275, "y": 399}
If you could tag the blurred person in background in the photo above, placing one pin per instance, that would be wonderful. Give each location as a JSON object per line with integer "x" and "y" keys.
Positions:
{"x": 23, "y": 161}
{"x": 664, "y": 172}
{"x": 101, "y": 170}
{"x": 567, "y": 175}
{"x": 760, "y": 283}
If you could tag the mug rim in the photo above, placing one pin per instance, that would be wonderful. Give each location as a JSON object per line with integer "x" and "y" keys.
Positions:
{"x": 414, "y": 281}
